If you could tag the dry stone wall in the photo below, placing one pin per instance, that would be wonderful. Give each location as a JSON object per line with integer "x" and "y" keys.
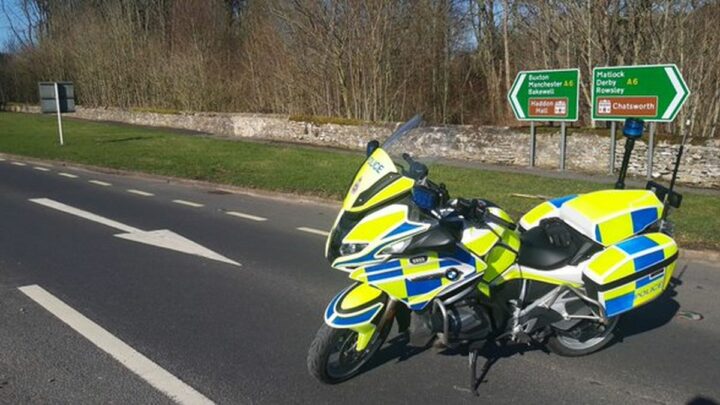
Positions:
{"x": 494, "y": 145}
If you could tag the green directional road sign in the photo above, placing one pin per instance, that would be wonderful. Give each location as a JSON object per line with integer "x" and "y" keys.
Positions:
{"x": 545, "y": 95}
{"x": 651, "y": 92}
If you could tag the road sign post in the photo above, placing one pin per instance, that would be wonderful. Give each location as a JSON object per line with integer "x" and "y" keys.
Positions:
{"x": 563, "y": 144}
{"x": 653, "y": 93}
{"x": 532, "y": 143}
{"x": 613, "y": 135}
{"x": 650, "y": 150}
{"x": 546, "y": 95}
{"x": 59, "y": 117}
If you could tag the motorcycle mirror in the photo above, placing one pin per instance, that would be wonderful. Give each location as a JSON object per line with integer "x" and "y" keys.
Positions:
{"x": 633, "y": 128}
{"x": 371, "y": 146}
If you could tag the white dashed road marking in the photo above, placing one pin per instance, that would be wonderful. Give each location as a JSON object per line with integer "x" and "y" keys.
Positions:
{"x": 140, "y": 192}
{"x": 313, "y": 230}
{"x": 188, "y": 203}
{"x": 18, "y": 163}
{"x": 148, "y": 370}
{"x": 42, "y": 169}
{"x": 70, "y": 175}
{"x": 2, "y": 159}
{"x": 100, "y": 183}
{"x": 246, "y": 216}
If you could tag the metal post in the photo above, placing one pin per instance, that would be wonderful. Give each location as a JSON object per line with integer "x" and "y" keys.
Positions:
{"x": 563, "y": 141}
{"x": 613, "y": 133}
{"x": 532, "y": 143}
{"x": 57, "y": 107}
{"x": 650, "y": 150}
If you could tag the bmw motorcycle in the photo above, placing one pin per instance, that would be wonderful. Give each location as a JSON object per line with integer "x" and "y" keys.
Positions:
{"x": 463, "y": 272}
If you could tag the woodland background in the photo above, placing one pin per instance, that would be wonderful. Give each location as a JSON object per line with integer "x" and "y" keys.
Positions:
{"x": 369, "y": 60}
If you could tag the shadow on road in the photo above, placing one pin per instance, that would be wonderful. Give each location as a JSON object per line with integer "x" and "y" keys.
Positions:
{"x": 648, "y": 317}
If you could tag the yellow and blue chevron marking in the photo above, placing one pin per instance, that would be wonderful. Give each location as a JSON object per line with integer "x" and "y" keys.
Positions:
{"x": 417, "y": 280}
{"x": 558, "y": 202}
{"x": 623, "y": 260}
{"x": 339, "y": 317}
{"x": 638, "y": 221}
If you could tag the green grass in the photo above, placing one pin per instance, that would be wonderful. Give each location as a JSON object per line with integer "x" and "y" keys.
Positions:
{"x": 293, "y": 169}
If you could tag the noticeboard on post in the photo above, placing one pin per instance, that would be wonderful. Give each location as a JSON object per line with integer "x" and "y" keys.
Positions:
{"x": 65, "y": 97}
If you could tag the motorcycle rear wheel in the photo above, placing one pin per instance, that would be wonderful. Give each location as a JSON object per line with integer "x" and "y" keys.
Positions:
{"x": 332, "y": 357}
{"x": 585, "y": 338}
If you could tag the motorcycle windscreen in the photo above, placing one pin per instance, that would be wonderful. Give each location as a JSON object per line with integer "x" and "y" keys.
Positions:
{"x": 377, "y": 181}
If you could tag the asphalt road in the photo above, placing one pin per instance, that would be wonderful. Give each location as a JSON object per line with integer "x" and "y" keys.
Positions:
{"x": 240, "y": 333}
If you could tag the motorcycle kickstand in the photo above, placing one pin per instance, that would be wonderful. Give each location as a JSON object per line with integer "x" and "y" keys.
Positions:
{"x": 474, "y": 351}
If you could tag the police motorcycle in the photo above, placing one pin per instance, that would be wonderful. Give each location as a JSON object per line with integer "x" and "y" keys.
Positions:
{"x": 463, "y": 272}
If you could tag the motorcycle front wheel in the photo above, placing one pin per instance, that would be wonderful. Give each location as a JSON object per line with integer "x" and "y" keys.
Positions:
{"x": 332, "y": 357}
{"x": 585, "y": 338}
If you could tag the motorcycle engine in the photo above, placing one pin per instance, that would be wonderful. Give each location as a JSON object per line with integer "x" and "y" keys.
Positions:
{"x": 468, "y": 321}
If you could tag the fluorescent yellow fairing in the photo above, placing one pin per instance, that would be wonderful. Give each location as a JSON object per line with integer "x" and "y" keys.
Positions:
{"x": 500, "y": 257}
{"x": 377, "y": 224}
{"x": 358, "y": 296}
{"x": 373, "y": 169}
{"x": 365, "y": 334}
{"x": 394, "y": 189}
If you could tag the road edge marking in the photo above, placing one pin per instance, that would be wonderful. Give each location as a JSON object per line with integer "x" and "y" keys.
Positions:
{"x": 313, "y": 231}
{"x": 188, "y": 203}
{"x": 140, "y": 192}
{"x": 133, "y": 360}
{"x": 246, "y": 216}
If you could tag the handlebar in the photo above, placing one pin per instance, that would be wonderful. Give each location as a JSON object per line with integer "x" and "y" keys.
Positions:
{"x": 478, "y": 210}
{"x": 416, "y": 170}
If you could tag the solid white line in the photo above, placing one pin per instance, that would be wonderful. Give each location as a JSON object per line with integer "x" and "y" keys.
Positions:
{"x": 188, "y": 203}
{"x": 246, "y": 216}
{"x": 148, "y": 370}
{"x": 70, "y": 175}
{"x": 313, "y": 230}
{"x": 140, "y": 192}
{"x": 42, "y": 169}
{"x": 84, "y": 214}
{"x": 100, "y": 183}
{"x": 18, "y": 163}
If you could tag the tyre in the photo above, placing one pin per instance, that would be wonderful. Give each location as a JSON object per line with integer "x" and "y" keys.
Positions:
{"x": 584, "y": 338}
{"x": 332, "y": 357}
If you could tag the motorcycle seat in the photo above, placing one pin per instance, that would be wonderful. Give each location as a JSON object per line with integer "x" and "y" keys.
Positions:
{"x": 538, "y": 251}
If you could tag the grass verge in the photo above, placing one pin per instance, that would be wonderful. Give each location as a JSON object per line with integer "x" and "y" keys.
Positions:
{"x": 293, "y": 169}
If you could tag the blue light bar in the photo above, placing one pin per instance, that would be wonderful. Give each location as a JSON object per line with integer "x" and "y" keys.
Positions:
{"x": 633, "y": 128}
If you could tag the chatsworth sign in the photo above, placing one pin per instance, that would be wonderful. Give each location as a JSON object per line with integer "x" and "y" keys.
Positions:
{"x": 654, "y": 93}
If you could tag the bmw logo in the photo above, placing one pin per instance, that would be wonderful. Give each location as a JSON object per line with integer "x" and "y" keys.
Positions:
{"x": 452, "y": 274}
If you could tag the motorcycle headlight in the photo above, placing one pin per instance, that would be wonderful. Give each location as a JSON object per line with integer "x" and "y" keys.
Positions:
{"x": 350, "y": 248}
{"x": 397, "y": 247}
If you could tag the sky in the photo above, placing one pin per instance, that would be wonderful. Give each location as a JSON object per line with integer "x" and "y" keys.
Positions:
{"x": 5, "y": 33}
